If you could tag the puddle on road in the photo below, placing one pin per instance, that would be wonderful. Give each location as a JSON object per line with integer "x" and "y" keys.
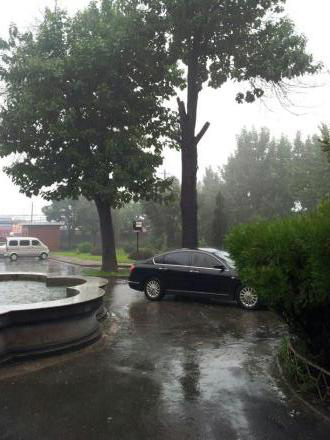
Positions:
{"x": 212, "y": 356}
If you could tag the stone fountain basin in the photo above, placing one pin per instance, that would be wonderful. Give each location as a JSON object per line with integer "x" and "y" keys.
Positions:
{"x": 49, "y": 327}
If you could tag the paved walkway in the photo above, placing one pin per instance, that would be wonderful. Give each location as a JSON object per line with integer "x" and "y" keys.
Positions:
{"x": 175, "y": 370}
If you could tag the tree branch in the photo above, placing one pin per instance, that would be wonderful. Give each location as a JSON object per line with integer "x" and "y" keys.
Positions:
{"x": 202, "y": 132}
{"x": 182, "y": 110}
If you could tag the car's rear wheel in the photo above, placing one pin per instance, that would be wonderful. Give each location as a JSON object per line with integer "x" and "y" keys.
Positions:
{"x": 13, "y": 257}
{"x": 248, "y": 298}
{"x": 43, "y": 256}
{"x": 153, "y": 289}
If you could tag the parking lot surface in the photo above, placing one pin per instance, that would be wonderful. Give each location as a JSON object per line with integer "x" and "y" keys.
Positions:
{"x": 178, "y": 369}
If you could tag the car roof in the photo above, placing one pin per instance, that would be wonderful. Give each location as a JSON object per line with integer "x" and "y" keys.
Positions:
{"x": 209, "y": 250}
{"x": 23, "y": 238}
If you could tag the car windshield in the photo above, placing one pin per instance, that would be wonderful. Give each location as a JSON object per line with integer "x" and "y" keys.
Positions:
{"x": 226, "y": 257}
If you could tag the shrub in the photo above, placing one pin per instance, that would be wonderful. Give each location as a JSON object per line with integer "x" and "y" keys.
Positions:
{"x": 129, "y": 248}
{"x": 287, "y": 261}
{"x": 84, "y": 248}
{"x": 144, "y": 253}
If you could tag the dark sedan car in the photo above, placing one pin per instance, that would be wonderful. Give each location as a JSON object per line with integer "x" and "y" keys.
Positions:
{"x": 191, "y": 272}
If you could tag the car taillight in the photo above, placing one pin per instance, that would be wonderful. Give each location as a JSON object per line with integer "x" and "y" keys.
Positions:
{"x": 132, "y": 268}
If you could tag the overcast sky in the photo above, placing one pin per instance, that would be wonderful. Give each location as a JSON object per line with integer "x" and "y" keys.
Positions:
{"x": 312, "y": 105}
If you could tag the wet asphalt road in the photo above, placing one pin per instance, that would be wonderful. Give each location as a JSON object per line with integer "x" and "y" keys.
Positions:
{"x": 174, "y": 370}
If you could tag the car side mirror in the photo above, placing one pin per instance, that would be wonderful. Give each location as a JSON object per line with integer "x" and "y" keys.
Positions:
{"x": 221, "y": 267}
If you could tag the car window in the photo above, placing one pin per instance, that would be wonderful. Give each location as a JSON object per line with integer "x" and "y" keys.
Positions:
{"x": 226, "y": 257}
{"x": 204, "y": 260}
{"x": 13, "y": 243}
{"x": 24, "y": 243}
{"x": 178, "y": 258}
{"x": 35, "y": 243}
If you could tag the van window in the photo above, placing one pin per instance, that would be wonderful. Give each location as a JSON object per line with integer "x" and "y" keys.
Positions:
{"x": 24, "y": 243}
{"x": 35, "y": 243}
{"x": 13, "y": 243}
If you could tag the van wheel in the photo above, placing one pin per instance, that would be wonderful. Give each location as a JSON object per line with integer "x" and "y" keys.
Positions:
{"x": 43, "y": 256}
{"x": 13, "y": 257}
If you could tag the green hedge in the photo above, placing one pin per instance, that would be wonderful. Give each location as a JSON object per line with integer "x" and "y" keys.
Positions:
{"x": 288, "y": 262}
{"x": 84, "y": 247}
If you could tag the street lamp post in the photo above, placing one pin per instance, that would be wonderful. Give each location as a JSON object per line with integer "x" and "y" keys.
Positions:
{"x": 137, "y": 227}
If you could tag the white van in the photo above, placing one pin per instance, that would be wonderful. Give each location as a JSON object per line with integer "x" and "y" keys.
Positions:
{"x": 16, "y": 247}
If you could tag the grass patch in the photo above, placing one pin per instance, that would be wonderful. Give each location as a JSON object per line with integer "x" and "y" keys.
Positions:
{"x": 80, "y": 256}
{"x": 122, "y": 257}
{"x": 101, "y": 274}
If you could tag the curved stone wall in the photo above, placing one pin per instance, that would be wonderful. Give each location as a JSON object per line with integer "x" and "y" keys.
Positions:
{"x": 53, "y": 326}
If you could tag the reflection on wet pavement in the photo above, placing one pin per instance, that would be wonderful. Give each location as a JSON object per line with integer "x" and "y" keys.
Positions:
{"x": 174, "y": 370}
{"x": 212, "y": 364}
{"x": 39, "y": 266}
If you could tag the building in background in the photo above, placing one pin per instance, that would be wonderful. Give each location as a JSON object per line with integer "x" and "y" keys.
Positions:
{"x": 48, "y": 233}
{"x": 6, "y": 224}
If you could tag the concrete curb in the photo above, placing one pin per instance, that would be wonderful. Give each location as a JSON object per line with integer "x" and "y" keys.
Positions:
{"x": 311, "y": 407}
{"x": 50, "y": 327}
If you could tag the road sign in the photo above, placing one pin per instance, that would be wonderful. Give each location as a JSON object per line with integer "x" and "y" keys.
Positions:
{"x": 138, "y": 225}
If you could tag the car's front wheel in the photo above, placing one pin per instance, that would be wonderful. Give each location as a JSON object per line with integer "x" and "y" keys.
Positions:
{"x": 153, "y": 289}
{"x": 43, "y": 256}
{"x": 13, "y": 257}
{"x": 248, "y": 298}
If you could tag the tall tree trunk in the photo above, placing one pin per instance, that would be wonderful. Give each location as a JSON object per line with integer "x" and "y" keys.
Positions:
{"x": 189, "y": 196}
{"x": 189, "y": 143}
{"x": 109, "y": 258}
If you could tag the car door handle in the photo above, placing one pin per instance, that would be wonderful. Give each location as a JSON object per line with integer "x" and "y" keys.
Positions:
{"x": 194, "y": 271}
{"x": 162, "y": 268}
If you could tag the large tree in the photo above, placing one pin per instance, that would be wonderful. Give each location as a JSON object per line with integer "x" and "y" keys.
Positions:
{"x": 269, "y": 177}
{"x": 164, "y": 218}
{"x": 88, "y": 221}
{"x": 83, "y": 110}
{"x": 75, "y": 215}
{"x": 219, "y": 40}
{"x": 66, "y": 212}
{"x": 258, "y": 177}
{"x": 219, "y": 226}
{"x": 311, "y": 171}
{"x": 208, "y": 189}
{"x": 325, "y": 139}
